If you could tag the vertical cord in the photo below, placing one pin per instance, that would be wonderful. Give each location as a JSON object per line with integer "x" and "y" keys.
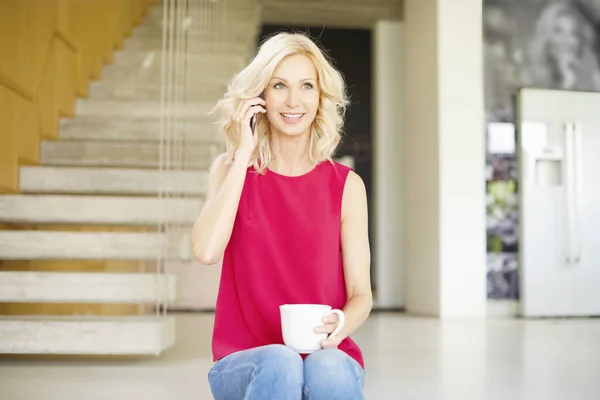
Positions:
{"x": 161, "y": 151}
{"x": 169, "y": 141}
{"x": 176, "y": 138}
{"x": 165, "y": 150}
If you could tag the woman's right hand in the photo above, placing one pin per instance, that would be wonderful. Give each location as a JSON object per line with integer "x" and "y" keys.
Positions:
{"x": 242, "y": 116}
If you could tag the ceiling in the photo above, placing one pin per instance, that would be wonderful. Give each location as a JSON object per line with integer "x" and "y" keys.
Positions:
{"x": 332, "y": 13}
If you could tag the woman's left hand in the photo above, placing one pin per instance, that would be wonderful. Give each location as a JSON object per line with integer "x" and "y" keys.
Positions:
{"x": 329, "y": 325}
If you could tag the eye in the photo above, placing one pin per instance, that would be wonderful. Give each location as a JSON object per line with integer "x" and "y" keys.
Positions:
{"x": 307, "y": 85}
{"x": 278, "y": 85}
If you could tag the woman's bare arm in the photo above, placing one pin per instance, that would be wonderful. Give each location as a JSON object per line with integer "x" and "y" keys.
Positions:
{"x": 356, "y": 254}
{"x": 212, "y": 229}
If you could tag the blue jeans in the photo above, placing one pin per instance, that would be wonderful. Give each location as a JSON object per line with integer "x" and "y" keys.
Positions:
{"x": 276, "y": 372}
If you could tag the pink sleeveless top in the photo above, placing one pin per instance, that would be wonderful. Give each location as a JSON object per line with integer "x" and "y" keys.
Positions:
{"x": 285, "y": 248}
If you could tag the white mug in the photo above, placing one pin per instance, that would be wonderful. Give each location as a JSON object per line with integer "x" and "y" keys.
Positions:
{"x": 298, "y": 323}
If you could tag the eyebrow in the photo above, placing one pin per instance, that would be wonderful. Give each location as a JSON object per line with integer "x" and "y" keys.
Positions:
{"x": 285, "y": 80}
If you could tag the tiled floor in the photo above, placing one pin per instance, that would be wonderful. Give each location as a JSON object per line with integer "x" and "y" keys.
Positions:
{"x": 406, "y": 357}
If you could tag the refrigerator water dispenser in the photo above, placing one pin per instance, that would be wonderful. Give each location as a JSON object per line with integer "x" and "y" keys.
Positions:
{"x": 548, "y": 167}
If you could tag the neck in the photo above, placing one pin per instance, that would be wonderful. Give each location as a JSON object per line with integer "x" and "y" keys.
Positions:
{"x": 290, "y": 154}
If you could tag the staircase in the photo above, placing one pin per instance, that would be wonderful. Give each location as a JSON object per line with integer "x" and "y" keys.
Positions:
{"x": 101, "y": 194}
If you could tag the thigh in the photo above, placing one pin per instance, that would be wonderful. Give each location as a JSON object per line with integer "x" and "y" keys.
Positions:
{"x": 255, "y": 373}
{"x": 332, "y": 374}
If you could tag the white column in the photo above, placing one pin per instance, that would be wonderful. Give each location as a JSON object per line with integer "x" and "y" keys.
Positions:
{"x": 388, "y": 95}
{"x": 445, "y": 198}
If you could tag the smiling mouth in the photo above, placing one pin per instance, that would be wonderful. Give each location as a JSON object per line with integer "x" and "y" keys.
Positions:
{"x": 292, "y": 116}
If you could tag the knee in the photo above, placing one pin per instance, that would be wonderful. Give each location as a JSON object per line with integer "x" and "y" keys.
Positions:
{"x": 280, "y": 363}
{"x": 331, "y": 374}
{"x": 282, "y": 356}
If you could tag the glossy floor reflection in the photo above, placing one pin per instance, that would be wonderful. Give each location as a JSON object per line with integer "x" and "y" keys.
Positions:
{"x": 406, "y": 358}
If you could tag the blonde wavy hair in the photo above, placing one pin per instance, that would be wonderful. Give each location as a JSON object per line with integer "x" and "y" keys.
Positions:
{"x": 326, "y": 129}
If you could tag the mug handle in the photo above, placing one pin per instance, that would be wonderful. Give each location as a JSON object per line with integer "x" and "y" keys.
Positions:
{"x": 341, "y": 321}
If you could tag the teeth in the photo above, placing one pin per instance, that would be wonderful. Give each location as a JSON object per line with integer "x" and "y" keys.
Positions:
{"x": 292, "y": 115}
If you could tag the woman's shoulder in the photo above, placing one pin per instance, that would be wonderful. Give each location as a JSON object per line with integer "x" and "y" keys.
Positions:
{"x": 338, "y": 164}
{"x": 350, "y": 180}
{"x": 338, "y": 169}
{"x": 354, "y": 182}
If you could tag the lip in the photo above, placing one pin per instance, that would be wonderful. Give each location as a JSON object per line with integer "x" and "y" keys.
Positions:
{"x": 292, "y": 118}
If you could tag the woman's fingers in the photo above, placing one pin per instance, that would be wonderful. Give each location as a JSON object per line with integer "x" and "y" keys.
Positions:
{"x": 245, "y": 106}
{"x": 252, "y": 111}
{"x": 242, "y": 116}
{"x": 326, "y": 328}
{"x": 331, "y": 318}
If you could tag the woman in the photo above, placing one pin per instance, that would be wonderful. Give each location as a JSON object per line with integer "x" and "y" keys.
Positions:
{"x": 285, "y": 215}
{"x": 562, "y": 52}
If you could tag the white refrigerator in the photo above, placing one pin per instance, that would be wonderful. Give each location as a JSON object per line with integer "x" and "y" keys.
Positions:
{"x": 559, "y": 202}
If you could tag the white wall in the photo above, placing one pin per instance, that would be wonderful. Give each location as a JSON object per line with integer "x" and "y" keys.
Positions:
{"x": 388, "y": 165}
{"x": 445, "y": 201}
{"x": 422, "y": 164}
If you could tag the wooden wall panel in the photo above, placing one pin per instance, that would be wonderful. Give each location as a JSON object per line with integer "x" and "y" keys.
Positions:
{"x": 26, "y": 29}
{"x": 137, "y": 11}
{"x": 77, "y": 24}
{"x": 110, "y": 27}
{"x": 66, "y": 80}
{"x": 26, "y": 129}
{"x": 47, "y": 97}
{"x": 66, "y": 20}
{"x": 97, "y": 37}
{"x": 126, "y": 19}
{"x": 118, "y": 26}
{"x": 18, "y": 120}
{"x": 49, "y": 52}
{"x": 84, "y": 64}
{"x": 8, "y": 150}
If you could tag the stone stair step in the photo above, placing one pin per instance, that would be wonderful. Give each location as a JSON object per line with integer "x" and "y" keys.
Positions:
{"x": 245, "y": 8}
{"x": 152, "y": 59}
{"x": 200, "y": 73}
{"x": 135, "y": 129}
{"x": 103, "y": 210}
{"x": 237, "y": 30}
{"x": 139, "y": 88}
{"x": 239, "y": 49}
{"x": 219, "y": 14}
{"x": 144, "y": 109}
{"x": 150, "y": 78}
{"x": 86, "y": 335}
{"x": 87, "y": 287}
{"x": 126, "y": 154}
{"x": 88, "y": 180}
{"x": 66, "y": 245}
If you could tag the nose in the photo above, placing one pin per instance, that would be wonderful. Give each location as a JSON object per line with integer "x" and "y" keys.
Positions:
{"x": 292, "y": 98}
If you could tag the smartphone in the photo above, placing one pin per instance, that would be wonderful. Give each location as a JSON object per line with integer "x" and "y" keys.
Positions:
{"x": 253, "y": 124}
{"x": 254, "y": 117}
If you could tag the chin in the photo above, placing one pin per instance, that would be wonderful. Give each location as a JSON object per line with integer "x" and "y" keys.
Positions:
{"x": 293, "y": 131}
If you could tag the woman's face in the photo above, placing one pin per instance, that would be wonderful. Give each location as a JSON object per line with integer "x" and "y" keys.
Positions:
{"x": 292, "y": 96}
{"x": 565, "y": 41}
